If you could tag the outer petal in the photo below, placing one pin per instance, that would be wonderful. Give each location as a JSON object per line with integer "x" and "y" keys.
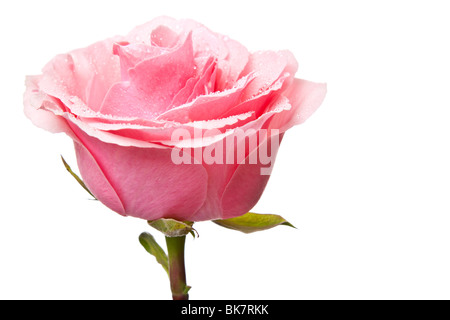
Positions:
{"x": 164, "y": 135}
{"x": 261, "y": 102}
{"x": 225, "y": 180}
{"x": 233, "y": 189}
{"x": 246, "y": 186}
{"x": 149, "y": 185}
{"x": 218, "y": 176}
{"x": 96, "y": 181}
{"x": 85, "y": 73}
{"x": 305, "y": 97}
{"x": 33, "y": 100}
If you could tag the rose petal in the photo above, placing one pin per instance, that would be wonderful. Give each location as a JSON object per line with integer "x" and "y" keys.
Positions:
{"x": 280, "y": 105}
{"x": 108, "y": 137}
{"x": 85, "y": 73}
{"x": 131, "y": 54}
{"x": 210, "y": 106}
{"x": 40, "y": 109}
{"x": 142, "y": 33}
{"x": 305, "y": 97}
{"x": 212, "y": 208}
{"x": 258, "y": 103}
{"x": 270, "y": 66}
{"x": 163, "y": 36}
{"x": 94, "y": 178}
{"x": 206, "y": 83}
{"x": 163, "y": 135}
{"x": 247, "y": 184}
{"x": 196, "y": 86}
{"x": 153, "y": 84}
{"x": 232, "y": 66}
{"x": 145, "y": 180}
{"x": 221, "y": 175}
{"x": 234, "y": 188}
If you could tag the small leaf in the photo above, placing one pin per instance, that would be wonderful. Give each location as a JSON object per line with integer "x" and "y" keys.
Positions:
{"x": 252, "y": 222}
{"x": 172, "y": 227}
{"x": 76, "y": 177}
{"x": 152, "y": 247}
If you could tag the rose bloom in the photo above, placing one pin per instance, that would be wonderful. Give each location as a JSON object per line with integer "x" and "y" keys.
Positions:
{"x": 122, "y": 99}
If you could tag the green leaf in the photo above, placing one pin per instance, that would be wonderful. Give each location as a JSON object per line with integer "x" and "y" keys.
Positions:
{"x": 252, "y": 222}
{"x": 172, "y": 227}
{"x": 186, "y": 289}
{"x": 152, "y": 247}
{"x": 76, "y": 177}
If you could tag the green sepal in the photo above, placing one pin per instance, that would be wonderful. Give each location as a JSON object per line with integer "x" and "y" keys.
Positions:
{"x": 149, "y": 243}
{"x": 76, "y": 177}
{"x": 252, "y": 222}
{"x": 173, "y": 228}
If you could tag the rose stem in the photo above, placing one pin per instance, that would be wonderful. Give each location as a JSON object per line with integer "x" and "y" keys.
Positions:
{"x": 177, "y": 273}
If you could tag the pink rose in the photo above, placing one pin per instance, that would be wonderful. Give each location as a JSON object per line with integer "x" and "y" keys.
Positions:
{"x": 127, "y": 101}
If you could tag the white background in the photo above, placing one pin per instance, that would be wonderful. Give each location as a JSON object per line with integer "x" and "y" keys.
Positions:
{"x": 366, "y": 179}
